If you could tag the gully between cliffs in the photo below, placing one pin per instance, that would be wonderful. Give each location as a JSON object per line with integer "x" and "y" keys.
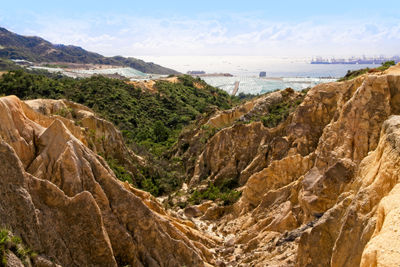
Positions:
{"x": 319, "y": 188}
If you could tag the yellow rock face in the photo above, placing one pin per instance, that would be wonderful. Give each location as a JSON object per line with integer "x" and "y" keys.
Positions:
{"x": 96, "y": 133}
{"x": 320, "y": 189}
{"x": 328, "y": 195}
{"x": 384, "y": 247}
{"x": 59, "y": 196}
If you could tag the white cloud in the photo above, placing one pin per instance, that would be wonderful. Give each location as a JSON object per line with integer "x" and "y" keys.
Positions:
{"x": 233, "y": 35}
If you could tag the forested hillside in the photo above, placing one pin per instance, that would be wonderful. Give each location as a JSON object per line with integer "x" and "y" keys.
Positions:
{"x": 150, "y": 121}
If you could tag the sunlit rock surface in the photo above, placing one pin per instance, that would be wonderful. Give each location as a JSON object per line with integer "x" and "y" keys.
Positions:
{"x": 319, "y": 189}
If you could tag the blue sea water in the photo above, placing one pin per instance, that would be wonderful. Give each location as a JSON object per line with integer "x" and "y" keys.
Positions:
{"x": 296, "y": 73}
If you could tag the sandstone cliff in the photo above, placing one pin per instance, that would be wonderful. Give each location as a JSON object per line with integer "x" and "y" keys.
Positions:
{"x": 205, "y": 147}
{"x": 67, "y": 205}
{"x": 320, "y": 188}
{"x": 96, "y": 133}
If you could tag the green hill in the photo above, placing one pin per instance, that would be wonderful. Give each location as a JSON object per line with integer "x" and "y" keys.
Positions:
{"x": 36, "y": 49}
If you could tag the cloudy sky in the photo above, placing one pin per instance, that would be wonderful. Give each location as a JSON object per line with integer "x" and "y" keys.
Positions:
{"x": 218, "y": 27}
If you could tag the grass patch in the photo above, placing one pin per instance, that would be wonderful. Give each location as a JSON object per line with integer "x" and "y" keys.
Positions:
{"x": 64, "y": 112}
{"x": 214, "y": 192}
{"x": 279, "y": 112}
{"x": 10, "y": 242}
{"x": 208, "y": 132}
{"x": 120, "y": 172}
{"x": 355, "y": 73}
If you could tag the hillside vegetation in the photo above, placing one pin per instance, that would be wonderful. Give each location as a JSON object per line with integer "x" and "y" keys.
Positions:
{"x": 144, "y": 117}
{"x": 150, "y": 121}
{"x": 351, "y": 74}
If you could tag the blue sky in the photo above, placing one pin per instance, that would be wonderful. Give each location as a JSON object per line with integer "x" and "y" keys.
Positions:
{"x": 267, "y": 28}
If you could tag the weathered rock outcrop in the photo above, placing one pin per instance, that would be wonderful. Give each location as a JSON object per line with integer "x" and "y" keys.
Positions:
{"x": 66, "y": 204}
{"x": 363, "y": 212}
{"x": 69, "y": 230}
{"x": 250, "y": 145}
{"x": 241, "y": 142}
{"x": 98, "y": 134}
{"x": 319, "y": 189}
{"x": 328, "y": 195}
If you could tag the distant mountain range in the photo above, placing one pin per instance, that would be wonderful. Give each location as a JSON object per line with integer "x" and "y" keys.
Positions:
{"x": 36, "y": 49}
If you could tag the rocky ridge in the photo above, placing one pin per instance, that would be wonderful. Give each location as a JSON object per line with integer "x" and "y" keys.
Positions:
{"x": 318, "y": 189}
{"x": 326, "y": 176}
{"x": 67, "y": 205}
{"x": 36, "y": 49}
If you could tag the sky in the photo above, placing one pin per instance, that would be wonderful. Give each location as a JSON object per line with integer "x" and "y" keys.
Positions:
{"x": 212, "y": 28}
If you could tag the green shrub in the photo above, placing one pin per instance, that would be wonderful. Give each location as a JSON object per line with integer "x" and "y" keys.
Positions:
{"x": 214, "y": 192}
{"x": 64, "y": 112}
{"x": 160, "y": 132}
{"x": 4, "y": 239}
{"x": 142, "y": 116}
{"x": 387, "y": 64}
{"x": 119, "y": 171}
{"x": 14, "y": 244}
{"x": 209, "y": 131}
{"x": 149, "y": 186}
{"x": 355, "y": 73}
{"x": 279, "y": 112}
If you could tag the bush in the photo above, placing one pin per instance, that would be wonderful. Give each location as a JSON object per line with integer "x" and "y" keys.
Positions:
{"x": 119, "y": 171}
{"x": 142, "y": 116}
{"x": 160, "y": 132}
{"x": 388, "y": 64}
{"x": 149, "y": 186}
{"x": 213, "y": 192}
{"x": 279, "y": 112}
{"x": 14, "y": 244}
{"x": 355, "y": 73}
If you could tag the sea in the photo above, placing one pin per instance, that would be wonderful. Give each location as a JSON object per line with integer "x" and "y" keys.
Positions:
{"x": 281, "y": 72}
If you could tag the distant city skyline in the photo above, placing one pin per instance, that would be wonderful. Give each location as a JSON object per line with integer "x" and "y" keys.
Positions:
{"x": 242, "y": 28}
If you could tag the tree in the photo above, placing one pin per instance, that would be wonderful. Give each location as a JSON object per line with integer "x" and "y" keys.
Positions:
{"x": 161, "y": 133}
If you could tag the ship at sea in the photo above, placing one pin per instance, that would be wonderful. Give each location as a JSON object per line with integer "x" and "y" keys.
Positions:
{"x": 354, "y": 60}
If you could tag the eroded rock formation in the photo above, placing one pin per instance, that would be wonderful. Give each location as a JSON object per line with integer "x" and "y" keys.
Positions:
{"x": 67, "y": 205}
{"x": 319, "y": 189}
